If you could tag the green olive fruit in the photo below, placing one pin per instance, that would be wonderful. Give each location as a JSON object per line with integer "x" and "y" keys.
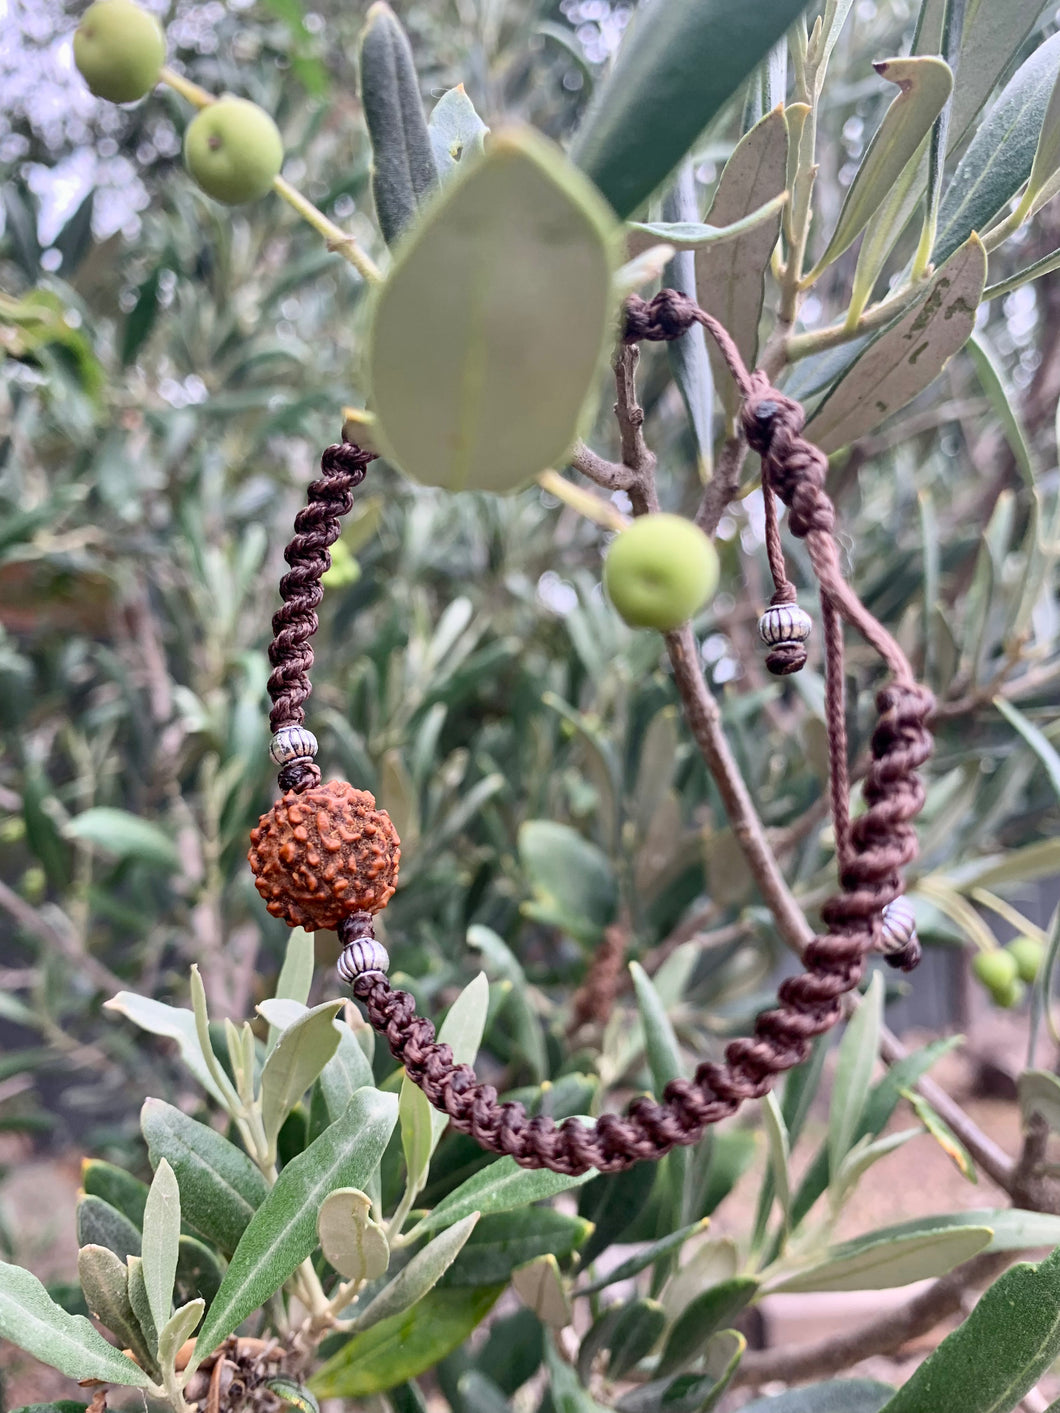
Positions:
{"x": 1029, "y": 954}
{"x": 660, "y": 571}
{"x": 1008, "y": 997}
{"x": 233, "y": 150}
{"x": 996, "y": 969}
{"x": 119, "y": 50}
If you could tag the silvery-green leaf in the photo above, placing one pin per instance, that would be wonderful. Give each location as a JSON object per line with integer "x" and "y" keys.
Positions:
{"x": 174, "y": 1023}
{"x": 1000, "y": 155}
{"x": 104, "y": 1279}
{"x": 282, "y": 1233}
{"x": 471, "y": 387}
{"x": 177, "y": 1329}
{"x": 161, "y": 1241}
{"x": 907, "y": 356}
{"x": 498, "y": 1188}
{"x": 349, "y": 1238}
{"x": 998, "y": 1354}
{"x": 220, "y": 1188}
{"x": 298, "y": 1056}
{"x": 872, "y": 1263}
{"x": 730, "y": 278}
{"x": 296, "y": 974}
{"x": 140, "y": 1303}
{"x": 924, "y": 86}
{"x": 857, "y": 1057}
{"x": 993, "y": 35}
{"x": 687, "y": 356}
{"x": 32, "y": 1321}
{"x": 455, "y": 130}
{"x": 422, "y": 1273}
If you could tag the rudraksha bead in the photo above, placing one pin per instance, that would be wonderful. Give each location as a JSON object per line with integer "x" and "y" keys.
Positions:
{"x": 324, "y": 854}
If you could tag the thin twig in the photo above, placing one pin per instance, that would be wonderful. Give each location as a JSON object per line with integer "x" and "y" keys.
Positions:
{"x": 883, "y": 1335}
{"x": 722, "y": 486}
{"x": 610, "y": 474}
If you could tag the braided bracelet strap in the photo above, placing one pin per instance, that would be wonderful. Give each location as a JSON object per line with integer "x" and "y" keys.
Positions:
{"x": 326, "y": 857}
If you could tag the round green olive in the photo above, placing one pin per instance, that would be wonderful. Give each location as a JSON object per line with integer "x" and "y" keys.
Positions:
{"x": 119, "y": 50}
{"x": 233, "y": 150}
{"x": 660, "y": 571}
{"x": 1029, "y": 954}
{"x": 995, "y": 969}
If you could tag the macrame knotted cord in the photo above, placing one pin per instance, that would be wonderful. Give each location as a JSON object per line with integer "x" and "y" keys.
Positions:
{"x": 871, "y": 851}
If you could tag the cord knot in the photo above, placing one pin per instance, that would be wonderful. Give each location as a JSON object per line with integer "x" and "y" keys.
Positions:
{"x": 660, "y": 320}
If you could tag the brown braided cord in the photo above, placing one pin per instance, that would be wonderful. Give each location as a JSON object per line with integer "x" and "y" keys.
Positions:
{"x": 317, "y": 527}
{"x": 871, "y": 852}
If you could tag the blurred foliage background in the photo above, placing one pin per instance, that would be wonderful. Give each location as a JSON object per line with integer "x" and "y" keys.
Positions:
{"x": 171, "y": 372}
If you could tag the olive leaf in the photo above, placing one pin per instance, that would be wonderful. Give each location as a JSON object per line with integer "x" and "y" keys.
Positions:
{"x": 488, "y": 333}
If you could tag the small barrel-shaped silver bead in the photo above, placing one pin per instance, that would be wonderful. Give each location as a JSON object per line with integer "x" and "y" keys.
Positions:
{"x": 292, "y": 743}
{"x": 784, "y": 623}
{"x": 364, "y": 955}
{"x": 898, "y": 927}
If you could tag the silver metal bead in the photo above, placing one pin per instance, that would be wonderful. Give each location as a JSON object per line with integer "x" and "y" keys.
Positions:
{"x": 292, "y": 743}
{"x": 898, "y": 927}
{"x": 365, "y": 955}
{"x": 784, "y": 623}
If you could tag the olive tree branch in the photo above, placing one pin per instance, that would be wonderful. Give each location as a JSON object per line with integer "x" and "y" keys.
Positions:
{"x": 946, "y": 1296}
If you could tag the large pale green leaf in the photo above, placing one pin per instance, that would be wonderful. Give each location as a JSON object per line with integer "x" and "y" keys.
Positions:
{"x": 354, "y": 1244}
{"x": 836, "y": 1396}
{"x": 498, "y": 1188}
{"x": 853, "y": 1078}
{"x": 125, "y": 835}
{"x": 32, "y": 1321}
{"x": 907, "y": 356}
{"x": 174, "y": 1023}
{"x": 870, "y": 1263}
{"x": 1000, "y": 156}
{"x": 220, "y": 1188}
{"x": 403, "y": 168}
{"x": 730, "y": 278}
{"x": 678, "y": 66}
{"x": 298, "y": 1056}
{"x": 664, "y": 1057}
{"x": 421, "y": 1274}
{"x": 161, "y": 1241}
{"x": 283, "y": 1231}
{"x": 487, "y": 337}
{"x": 924, "y": 85}
{"x": 999, "y": 1352}
{"x": 399, "y": 1348}
{"x": 572, "y": 880}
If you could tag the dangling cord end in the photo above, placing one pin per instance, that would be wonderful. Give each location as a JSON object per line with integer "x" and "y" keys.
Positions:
{"x": 784, "y": 627}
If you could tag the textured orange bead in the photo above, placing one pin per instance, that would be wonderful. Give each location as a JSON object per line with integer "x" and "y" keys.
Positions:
{"x": 323, "y": 855}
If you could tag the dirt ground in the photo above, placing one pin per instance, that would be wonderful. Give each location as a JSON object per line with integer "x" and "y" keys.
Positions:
{"x": 37, "y": 1200}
